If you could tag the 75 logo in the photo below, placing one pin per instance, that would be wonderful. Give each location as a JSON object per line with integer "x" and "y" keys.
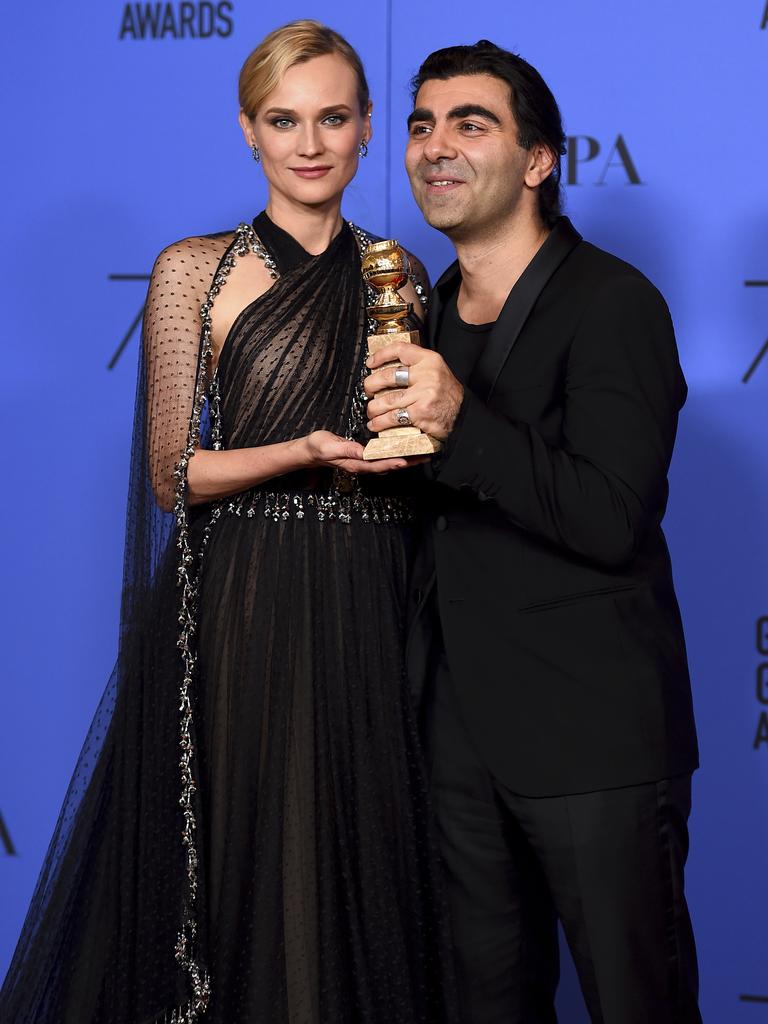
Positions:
{"x": 134, "y": 323}
{"x": 758, "y": 358}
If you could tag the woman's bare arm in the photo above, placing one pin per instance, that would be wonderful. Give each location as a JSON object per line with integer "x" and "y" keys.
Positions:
{"x": 213, "y": 475}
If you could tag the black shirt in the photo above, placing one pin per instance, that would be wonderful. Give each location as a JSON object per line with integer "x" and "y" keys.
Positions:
{"x": 460, "y": 344}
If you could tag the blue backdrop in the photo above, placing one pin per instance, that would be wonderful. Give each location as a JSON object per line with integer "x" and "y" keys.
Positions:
{"x": 121, "y": 136}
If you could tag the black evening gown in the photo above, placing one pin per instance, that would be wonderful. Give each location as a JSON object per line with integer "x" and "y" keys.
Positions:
{"x": 247, "y": 836}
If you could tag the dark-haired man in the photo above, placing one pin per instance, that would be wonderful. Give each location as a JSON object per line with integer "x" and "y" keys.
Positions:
{"x": 547, "y": 637}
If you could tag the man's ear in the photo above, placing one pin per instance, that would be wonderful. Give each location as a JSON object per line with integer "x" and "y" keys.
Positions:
{"x": 540, "y": 165}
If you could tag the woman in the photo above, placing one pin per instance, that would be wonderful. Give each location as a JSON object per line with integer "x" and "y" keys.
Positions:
{"x": 246, "y": 836}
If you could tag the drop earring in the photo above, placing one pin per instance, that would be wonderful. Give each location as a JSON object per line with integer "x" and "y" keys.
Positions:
{"x": 363, "y": 149}
{"x": 256, "y": 153}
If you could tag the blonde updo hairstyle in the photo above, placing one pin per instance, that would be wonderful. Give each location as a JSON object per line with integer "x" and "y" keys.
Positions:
{"x": 292, "y": 44}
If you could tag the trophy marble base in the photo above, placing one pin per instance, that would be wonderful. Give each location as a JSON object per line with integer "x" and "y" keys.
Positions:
{"x": 400, "y": 442}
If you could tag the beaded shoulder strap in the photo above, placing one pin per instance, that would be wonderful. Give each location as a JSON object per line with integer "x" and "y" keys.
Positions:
{"x": 188, "y": 579}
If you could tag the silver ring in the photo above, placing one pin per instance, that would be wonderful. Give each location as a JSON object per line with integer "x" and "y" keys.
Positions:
{"x": 402, "y": 377}
{"x": 403, "y": 417}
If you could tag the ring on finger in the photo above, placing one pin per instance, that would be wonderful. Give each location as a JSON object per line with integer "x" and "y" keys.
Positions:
{"x": 402, "y": 377}
{"x": 403, "y": 417}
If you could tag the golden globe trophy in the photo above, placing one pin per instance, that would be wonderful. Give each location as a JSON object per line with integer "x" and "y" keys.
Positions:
{"x": 385, "y": 268}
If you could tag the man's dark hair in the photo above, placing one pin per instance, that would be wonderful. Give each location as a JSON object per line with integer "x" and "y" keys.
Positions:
{"x": 534, "y": 107}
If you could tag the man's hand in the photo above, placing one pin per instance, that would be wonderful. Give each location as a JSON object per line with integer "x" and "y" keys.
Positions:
{"x": 433, "y": 396}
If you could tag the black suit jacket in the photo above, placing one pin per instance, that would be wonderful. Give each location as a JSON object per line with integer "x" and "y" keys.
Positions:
{"x": 543, "y": 540}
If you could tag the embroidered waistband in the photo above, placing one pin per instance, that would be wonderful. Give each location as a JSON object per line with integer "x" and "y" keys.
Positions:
{"x": 282, "y": 505}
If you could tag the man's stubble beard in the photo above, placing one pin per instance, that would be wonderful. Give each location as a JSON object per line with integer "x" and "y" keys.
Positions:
{"x": 463, "y": 223}
{"x": 446, "y": 221}
{"x": 449, "y": 219}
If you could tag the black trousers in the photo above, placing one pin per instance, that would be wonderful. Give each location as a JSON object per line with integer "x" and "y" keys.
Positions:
{"x": 608, "y": 864}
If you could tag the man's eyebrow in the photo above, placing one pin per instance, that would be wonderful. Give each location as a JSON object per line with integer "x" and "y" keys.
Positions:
{"x": 473, "y": 110}
{"x": 420, "y": 114}
{"x": 455, "y": 114}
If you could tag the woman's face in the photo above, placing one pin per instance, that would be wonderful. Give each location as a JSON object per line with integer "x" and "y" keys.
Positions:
{"x": 309, "y": 130}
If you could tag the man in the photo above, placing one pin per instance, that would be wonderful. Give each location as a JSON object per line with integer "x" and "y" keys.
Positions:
{"x": 547, "y": 637}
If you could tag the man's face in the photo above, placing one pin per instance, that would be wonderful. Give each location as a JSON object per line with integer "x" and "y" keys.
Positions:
{"x": 467, "y": 171}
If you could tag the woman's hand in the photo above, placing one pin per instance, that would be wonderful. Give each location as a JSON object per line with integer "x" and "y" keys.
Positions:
{"x": 218, "y": 474}
{"x": 322, "y": 448}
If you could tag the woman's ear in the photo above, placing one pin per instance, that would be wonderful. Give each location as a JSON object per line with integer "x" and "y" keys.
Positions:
{"x": 247, "y": 127}
{"x": 368, "y": 129}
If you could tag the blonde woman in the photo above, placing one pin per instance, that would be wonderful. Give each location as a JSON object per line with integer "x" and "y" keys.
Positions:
{"x": 246, "y": 838}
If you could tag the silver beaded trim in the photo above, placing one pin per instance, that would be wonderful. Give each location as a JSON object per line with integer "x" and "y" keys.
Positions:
{"x": 188, "y": 579}
{"x": 246, "y": 240}
{"x": 420, "y": 290}
{"x": 180, "y": 1015}
{"x": 282, "y": 505}
{"x": 359, "y": 398}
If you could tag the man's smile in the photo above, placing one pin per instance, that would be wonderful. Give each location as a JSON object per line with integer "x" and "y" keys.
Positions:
{"x": 438, "y": 187}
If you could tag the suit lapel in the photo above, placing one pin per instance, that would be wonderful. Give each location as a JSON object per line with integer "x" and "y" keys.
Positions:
{"x": 447, "y": 282}
{"x": 561, "y": 241}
